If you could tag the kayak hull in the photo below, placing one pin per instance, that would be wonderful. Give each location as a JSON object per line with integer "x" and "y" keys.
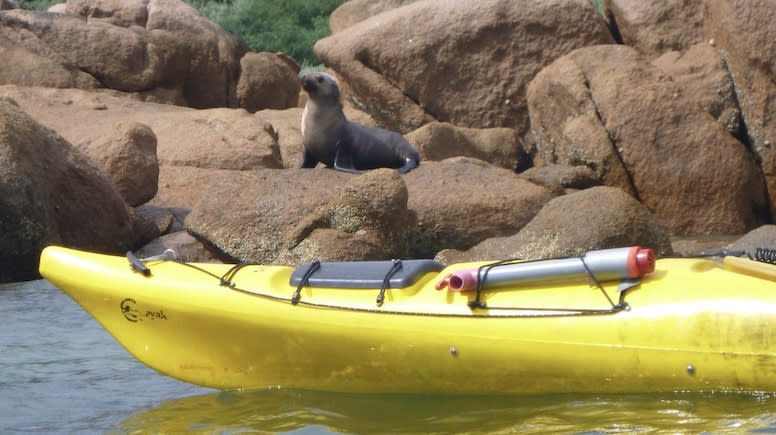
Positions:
{"x": 692, "y": 325}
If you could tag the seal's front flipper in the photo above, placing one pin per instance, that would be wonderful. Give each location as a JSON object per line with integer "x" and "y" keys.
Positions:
{"x": 308, "y": 161}
{"x": 343, "y": 161}
{"x": 409, "y": 164}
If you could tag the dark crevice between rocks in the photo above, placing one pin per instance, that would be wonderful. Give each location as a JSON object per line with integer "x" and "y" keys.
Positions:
{"x": 612, "y": 140}
{"x": 611, "y": 23}
{"x": 742, "y": 133}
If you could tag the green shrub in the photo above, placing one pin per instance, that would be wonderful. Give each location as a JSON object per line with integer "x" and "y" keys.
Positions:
{"x": 598, "y": 5}
{"x": 37, "y": 5}
{"x": 291, "y": 26}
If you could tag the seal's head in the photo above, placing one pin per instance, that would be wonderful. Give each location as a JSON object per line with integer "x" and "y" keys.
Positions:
{"x": 321, "y": 87}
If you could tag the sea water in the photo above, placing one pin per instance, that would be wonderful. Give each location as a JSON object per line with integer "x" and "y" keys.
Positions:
{"x": 60, "y": 372}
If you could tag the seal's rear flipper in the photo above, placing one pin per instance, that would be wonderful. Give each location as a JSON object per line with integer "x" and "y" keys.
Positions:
{"x": 344, "y": 162}
{"x": 409, "y": 164}
{"x": 308, "y": 160}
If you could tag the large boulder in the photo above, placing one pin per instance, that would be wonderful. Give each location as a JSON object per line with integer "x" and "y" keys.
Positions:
{"x": 355, "y": 11}
{"x": 368, "y": 220}
{"x": 123, "y": 13}
{"x": 451, "y": 62}
{"x": 194, "y": 147}
{"x": 219, "y": 138}
{"x": 164, "y": 50}
{"x": 300, "y": 215}
{"x": 180, "y": 189}
{"x": 290, "y": 216}
{"x": 607, "y": 108}
{"x": 461, "y": 201}
{"x": 29, "y": 62}
{"x": 441, "y": 140}
{"x": 248, "y": 215}
{"x": 745, "y": 35}
{"x": 596, "y": 218}
{"x": 763, "y": 237}
{"x": 267, "y": 81}
{"x": 562, "y": 177}
{"x": 657, "y": 26}
{"x": 703, "y": 77}
{"x": 129, "y": 159}
{"x": 50, "y": 193}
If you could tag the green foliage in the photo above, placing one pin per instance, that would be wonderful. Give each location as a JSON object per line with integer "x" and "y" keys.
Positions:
{"x": 37, "y": 5}
{"x": 291, "y": 26}
{"x": 598, "y": 5}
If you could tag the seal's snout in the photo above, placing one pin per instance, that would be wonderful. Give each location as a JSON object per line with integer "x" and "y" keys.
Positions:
{"x": 309, "y": 83}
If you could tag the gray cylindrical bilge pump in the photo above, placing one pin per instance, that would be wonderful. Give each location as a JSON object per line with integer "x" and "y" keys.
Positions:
{"x": 605, "y": 265}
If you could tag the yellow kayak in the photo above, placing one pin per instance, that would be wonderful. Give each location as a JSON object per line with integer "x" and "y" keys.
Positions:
{"x": 412, "y": 327}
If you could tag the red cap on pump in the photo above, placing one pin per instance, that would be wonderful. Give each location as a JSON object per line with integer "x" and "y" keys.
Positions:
{"x": 641, "y": 261}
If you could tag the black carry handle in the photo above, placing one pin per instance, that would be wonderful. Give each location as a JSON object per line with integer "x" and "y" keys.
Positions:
{"x": 137, "y": 264}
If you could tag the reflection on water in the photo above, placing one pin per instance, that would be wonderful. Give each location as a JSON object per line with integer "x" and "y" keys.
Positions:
{"x": 288, "y": 411}
{"x": 61, "y": 373}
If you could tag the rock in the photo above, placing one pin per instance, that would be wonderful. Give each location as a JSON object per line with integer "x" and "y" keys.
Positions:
{"x": 186, "y": 248}
{"x": 441, "y": 140}
{"x": 703, "y": 78}
{"x": 287, "y": 124}
{"x": 116, "y": 56}
{"x": 460, "y": 202}
{"x": 180, "y": 188}
{"x": 761, "y": 237}
{"x": 744, "y": 33}
{"x": 195, "y": 147}
{"x": 216, "y": 139}
{"x": 689, "y": 246}
{"x": 122, "y": 13}
{"x": 290, "y": 216}
{"x": 129, "y": 159}
{"x": 59, "y": 8}
{"x": 566, "y": 124}
{"x": 210, "y": 138}
{"x": 450, "y": 62}
{"x": 50, "y": 193}
{"x": 247, "y": 216}
{"x": 561, "y": 176}
{"x": 655, "y": 27}
{"x": 163, "y": 50}
{"x": 596, "y": 218}
{"x": 583, "y": 109}
{"x": 267, "y": 82}
{"x": 369, "y": 220}
{"x": 355, "y": 11}
{"x": 144, "y": 228}
{"x": 29, "y": 62}
{"x": 163, "y": 218}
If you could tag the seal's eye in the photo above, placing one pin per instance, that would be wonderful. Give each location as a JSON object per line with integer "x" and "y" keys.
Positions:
{"x": 320, "y": 79}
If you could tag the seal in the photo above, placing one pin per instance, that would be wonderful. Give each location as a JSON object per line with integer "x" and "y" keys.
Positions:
{"x": 331, "y": 139}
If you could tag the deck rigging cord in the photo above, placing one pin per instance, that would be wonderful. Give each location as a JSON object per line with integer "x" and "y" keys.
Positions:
{"x": 395, "y": 267}
{"x": 315, "y": 265}
{"x": 764, "y": 255}
{"x": 613, "y": 308}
